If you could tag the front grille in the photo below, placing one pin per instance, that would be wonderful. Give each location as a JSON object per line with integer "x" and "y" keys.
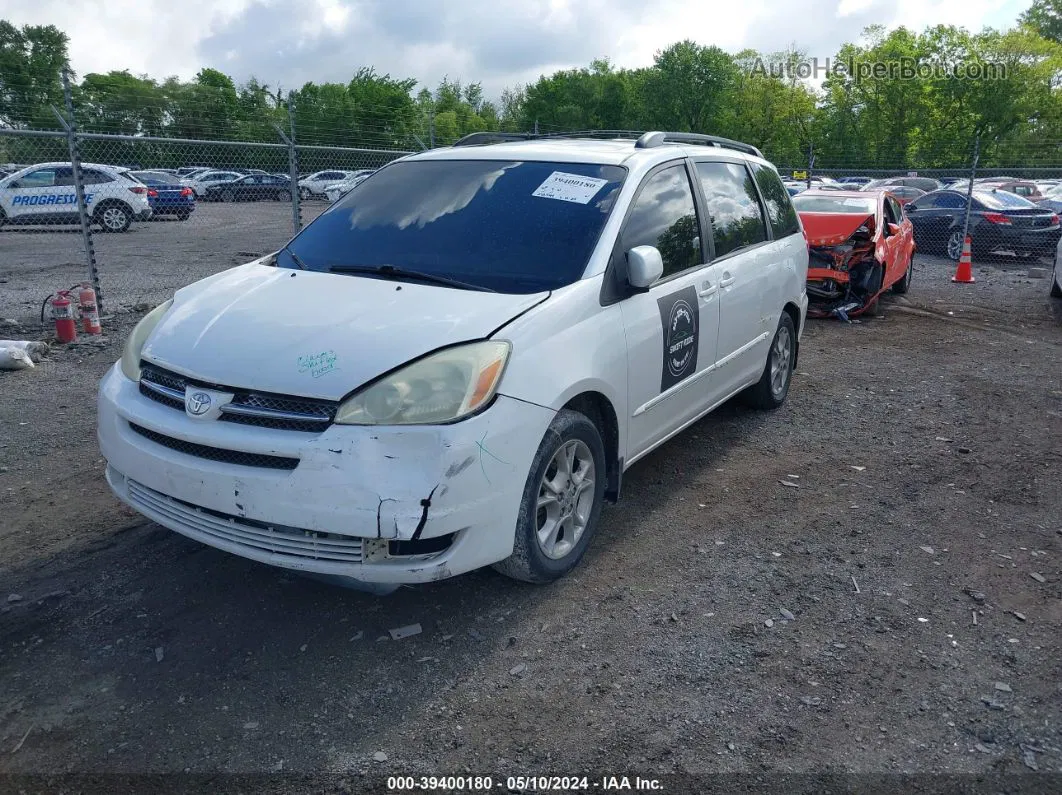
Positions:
{"x": 207, "y": 526}
{"x": 217, "y": 453}
{"x": 263, "y": 409}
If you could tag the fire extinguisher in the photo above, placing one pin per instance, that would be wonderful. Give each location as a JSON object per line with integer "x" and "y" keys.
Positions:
{"x": 63, "y": 314}
{"x": 90, "y": 315}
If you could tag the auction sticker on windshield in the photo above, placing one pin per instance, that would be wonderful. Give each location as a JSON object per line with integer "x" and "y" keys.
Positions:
{"x": 569, "y": 187}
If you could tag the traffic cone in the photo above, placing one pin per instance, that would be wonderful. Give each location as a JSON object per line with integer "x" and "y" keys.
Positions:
{"x": 964, "y": 271}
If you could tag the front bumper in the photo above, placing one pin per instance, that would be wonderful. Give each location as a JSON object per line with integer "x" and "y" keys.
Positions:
{"x": 351, "y": 505}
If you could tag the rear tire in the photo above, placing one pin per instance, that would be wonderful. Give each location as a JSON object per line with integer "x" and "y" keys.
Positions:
{"x": 283, "y": 195}
{"x": 903, "y": 285}
{"x": 562, "y": 501}
{"x": 953, "y": 247}
{"x": 113, "y": 218}
{"x": 771, "y": 390}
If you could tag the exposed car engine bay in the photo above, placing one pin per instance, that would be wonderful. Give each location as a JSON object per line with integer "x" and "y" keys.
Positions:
{"x": 843, "y": 277}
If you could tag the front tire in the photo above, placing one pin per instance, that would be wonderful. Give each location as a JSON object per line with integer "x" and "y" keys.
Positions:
{"x": 283, "y": 195}
{"x": 304, "y": 193}
{"x": 771, "y": 390}
{"x": 562, "y": 501}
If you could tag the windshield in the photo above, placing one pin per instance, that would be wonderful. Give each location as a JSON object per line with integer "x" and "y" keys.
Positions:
{"x": 509, "y": 226}
{"x": 835, "y": 204}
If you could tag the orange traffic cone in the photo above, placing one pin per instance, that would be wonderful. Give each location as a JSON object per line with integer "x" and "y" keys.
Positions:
{"x": 964, "y": 272}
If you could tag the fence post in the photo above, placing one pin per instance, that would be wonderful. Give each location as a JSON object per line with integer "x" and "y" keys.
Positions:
{"x": 811, "y": 161}
{"x": 293, "y": 164}
{"x": 431, "y": 127}
{"x": 70, "y": 125}
{"x": 969, "y": 188}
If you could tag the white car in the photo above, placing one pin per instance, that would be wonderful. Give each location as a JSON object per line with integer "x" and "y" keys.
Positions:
{"x": 340, "y": 189}
{"x": 45, "y": 194}
{"x": 315, "y": 185}
{"x": 200, "y": 183}
{"x": 455, "y": 370}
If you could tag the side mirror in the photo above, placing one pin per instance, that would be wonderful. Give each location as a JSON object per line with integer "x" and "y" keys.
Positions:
{"x": 894, "y": 229}
{"x": 644, "y": 267}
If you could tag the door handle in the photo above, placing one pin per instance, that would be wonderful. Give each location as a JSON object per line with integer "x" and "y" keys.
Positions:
{"x": 706, "y": 289}
{"x": 727, "y": 280}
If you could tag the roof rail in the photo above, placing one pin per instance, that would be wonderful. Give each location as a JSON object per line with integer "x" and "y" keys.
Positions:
{"x": 656, "y": 138}
{"x": 482, "y": 138}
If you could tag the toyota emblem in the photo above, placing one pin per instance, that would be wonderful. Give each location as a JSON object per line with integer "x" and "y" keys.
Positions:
{"x": 198, "y": 403}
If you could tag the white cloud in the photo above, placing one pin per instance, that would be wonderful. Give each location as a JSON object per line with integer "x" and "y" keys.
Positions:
{"x": 288, "y": 42}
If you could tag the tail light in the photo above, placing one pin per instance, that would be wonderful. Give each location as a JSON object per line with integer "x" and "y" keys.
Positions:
{"x": 154, "y": 194}
{"x": 139, "y": 190}
{"x": 186, "y": 191}
{"x": 997, "y": 218}
{"x": 1054, "y": 219}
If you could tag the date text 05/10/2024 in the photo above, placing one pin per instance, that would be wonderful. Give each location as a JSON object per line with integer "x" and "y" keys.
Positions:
{"x": 522, "y": 784}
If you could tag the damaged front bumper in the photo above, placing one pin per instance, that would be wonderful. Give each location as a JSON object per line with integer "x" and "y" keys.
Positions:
{"x": 368, "y": 504}
{"x": 843, "y": 280}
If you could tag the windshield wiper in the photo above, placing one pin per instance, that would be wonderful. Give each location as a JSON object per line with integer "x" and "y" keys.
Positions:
{"x": 391, "y": 272}
{"x": 295, "y": 258}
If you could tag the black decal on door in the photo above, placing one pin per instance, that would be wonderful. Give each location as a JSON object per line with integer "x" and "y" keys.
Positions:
{"x": 678, "y": 316}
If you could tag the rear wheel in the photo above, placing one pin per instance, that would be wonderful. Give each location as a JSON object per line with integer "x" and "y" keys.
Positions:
{"x": 904, "y": 284}
{"x": 283, "y": 195}
{"x": 114, "y": 218}
{"x": 771, "y": 390}
{"x": 561, "y": 503}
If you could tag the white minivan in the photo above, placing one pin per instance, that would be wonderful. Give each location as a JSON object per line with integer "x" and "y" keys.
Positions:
{"x": 453, "y": 366}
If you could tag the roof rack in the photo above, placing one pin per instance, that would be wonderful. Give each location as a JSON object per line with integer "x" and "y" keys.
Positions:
{"x": 483, "y": 138}
{"x": 656, "y": 138}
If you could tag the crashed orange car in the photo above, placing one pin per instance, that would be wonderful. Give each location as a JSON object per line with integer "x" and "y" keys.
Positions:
{"x": 860, "y": 244}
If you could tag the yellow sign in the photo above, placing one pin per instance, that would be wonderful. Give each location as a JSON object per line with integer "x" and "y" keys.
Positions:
{"x": 800, "y": 175}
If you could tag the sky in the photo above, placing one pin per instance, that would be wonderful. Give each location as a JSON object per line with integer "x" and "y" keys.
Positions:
{"x": 500, "y": 43}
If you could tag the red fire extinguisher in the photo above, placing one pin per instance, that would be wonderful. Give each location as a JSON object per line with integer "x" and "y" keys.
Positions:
{"x": 90, "y": 315}
{"x": 63, "y": 314}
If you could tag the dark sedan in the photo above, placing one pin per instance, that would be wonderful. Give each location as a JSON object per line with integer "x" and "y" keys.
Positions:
{"x": 254, "y": 187}
{"x": 167, "y": 195}
{"x": 999, "y": 221}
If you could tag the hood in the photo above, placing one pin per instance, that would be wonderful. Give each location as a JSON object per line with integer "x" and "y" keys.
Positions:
{"x": 314, "y": 334}
{"x": 831, "y": 229}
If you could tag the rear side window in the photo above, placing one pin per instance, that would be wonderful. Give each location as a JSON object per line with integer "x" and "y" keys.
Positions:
{"x": 780, "y": 210}
{"x": 734, "y": 207}
{"x": 665, "y": 216}
{"x": 41, "y": 178}
{"x": 91, "y": 176}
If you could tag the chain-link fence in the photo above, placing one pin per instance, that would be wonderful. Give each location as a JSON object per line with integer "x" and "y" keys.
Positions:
{"x": 140, "y": 216}
{"x": 1009, "y": 214}
{"x": 142, "y": 201}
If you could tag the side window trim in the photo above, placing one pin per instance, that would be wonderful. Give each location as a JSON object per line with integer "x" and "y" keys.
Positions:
{"x": 768, "y": 227}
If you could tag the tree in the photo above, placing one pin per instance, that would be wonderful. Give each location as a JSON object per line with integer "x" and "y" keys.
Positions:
{"x": 32, "y": 59}
{"x": 1045, "y": 18}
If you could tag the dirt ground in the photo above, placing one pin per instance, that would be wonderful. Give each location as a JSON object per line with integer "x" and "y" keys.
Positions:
{"x": 864, "y": 584}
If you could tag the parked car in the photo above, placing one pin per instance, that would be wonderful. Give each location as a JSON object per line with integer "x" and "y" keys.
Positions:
{"x": 254, "y": 187}
{"x": 1052, "y": 200}
{"x": 854, "y": 180}
{"x": 1025, "y": 189}
{"x": 44, "y": 194}
{"x": 999, "y": 221}
{"x": 340, "y": 189}
{"x": 396, "y": 397}
{"x": 167, "y": 195}
{"x": 201, "y": 182}
{"x": 904, "y": 193}
{"x": 922, "y": 183}
{"x": 188, "y": 171}
{"x": 315, "y": 185}
{"x": 860, "y": 245}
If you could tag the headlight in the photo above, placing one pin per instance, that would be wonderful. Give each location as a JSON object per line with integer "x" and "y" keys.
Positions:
{"x": 442, "y": 387}
{"x": 135, "y": 343}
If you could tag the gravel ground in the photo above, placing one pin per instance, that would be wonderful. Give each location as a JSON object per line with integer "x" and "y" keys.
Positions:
{"x": 894, "y": 610}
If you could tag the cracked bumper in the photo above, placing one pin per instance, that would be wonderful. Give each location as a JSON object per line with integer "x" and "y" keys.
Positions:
{"x": 350, "y": 483}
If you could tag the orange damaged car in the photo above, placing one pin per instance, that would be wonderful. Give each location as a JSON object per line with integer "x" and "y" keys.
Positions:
{"x": 860, "y": 244}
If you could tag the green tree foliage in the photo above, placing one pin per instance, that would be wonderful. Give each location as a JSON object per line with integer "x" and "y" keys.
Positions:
{"x": 1045, "y": 18}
